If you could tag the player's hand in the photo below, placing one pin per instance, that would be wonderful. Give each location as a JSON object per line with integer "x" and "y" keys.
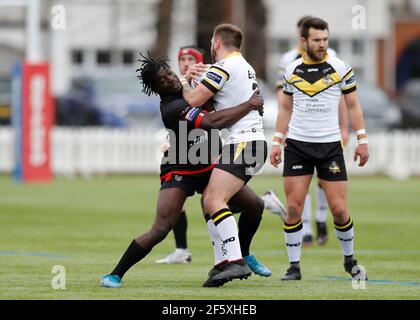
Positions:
{"x": 256, "y": 102}
{"x": 196, "y": 70}
{"x": 275, "y": 156}
{"x": 361, "y": 152}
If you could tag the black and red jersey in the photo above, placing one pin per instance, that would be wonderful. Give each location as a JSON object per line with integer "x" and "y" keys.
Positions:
{"x": 192, "y": 149}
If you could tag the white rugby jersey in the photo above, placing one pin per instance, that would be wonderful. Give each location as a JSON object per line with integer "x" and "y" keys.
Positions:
{"x": 233, "y": 81}
{"x": 288, "y": 58}
{"x": 316, "y": 89}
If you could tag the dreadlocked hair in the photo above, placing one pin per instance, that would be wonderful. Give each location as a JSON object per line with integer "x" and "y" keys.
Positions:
{"x": 148, "y": 69}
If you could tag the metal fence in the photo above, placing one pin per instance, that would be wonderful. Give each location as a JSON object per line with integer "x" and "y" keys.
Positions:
{"x": 91, "y": 151}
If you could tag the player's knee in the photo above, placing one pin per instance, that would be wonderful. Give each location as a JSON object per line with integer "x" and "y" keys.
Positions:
{"x": 210, "y": 203}
{"x": 339, "y": 211}
{"x": 160, "y": 233}
{"x": 293, "y": 213}
{"x": 259, "y": 206}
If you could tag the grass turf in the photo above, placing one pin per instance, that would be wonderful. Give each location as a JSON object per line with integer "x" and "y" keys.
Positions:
{"x": 86, "y": 225}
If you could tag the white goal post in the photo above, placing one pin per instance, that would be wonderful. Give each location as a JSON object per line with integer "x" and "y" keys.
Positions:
{"x": 33, "y": 27}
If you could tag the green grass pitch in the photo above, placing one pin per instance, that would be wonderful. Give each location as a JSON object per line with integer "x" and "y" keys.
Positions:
{"x": 86, "y": 225}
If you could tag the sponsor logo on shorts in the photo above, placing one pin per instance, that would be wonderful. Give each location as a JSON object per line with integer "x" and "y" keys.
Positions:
{"x": 334, "y": 168}
{"x": 178, "y": 178}
{"x": 297, "y": 167}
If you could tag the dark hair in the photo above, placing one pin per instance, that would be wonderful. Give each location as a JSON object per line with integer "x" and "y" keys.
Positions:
{"x": 315, "y": 23}
{"x": 148, "y": 69}
{"x": 230, "y": 35}
{"x": 302, "y": 20}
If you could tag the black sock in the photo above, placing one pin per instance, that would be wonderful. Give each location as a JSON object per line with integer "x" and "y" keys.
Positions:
{"x": 180, "y": 231}
{"x": 295, "y": 264}
{"x": 246, "y": 230}
{"x": 348, "y": 259}
{"x": 132, "y": 255}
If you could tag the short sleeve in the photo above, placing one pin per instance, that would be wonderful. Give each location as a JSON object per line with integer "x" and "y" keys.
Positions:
{"x": 348, "y": 83}
{"x": 215, "y": 78}
{"x": 180, "y": 110}
{"x": 288, "y": 88}
{"x": 281, "y": 69}
{"x": 193, "y": 116}
{"x": 280, "y": 78}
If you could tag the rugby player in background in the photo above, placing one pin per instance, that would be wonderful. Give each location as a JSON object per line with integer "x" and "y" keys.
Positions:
{"x": 321, "y": 200}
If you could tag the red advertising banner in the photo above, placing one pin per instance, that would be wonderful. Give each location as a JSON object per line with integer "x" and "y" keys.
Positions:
{"x": 37, "y": 121}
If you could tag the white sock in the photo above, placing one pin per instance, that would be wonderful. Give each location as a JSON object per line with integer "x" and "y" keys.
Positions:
{"x": 306, "y": 216}
{"x": 228, "y": 231}
{"x": 345, "y": 234}
{"x": 321, "y": 205}
{"x": 293, "y": 240}
{"x": 220, "y": 253}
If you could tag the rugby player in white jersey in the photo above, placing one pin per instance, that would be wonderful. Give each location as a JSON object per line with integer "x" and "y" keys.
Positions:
{"x": 321, "y": 200}
{"x": 191, "y": 62}
{"x": 229, "y": 80}
{"x": 312, "y": 88}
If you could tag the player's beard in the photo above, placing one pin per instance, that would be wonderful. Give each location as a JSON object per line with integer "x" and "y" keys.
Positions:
{"x": 311, "y": 53}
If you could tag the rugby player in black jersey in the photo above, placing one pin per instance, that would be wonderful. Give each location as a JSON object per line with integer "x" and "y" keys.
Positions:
{"x": 188, "y": 56}
{"x": 180, "y": 177}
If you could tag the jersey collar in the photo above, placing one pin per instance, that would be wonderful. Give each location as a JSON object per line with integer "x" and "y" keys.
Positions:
{"x": 233, "y": 54}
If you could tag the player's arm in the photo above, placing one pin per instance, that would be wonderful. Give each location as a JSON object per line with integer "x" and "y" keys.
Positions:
{"x": 212, "y": 82}
{"x": 358, "y": 125}
{"x": 209, "y": 106}
{"x": 282, "y": 124}
{"x": 227, "y": 117}
{"x": 198, "y": 96}
{"x": 343, "y": 121}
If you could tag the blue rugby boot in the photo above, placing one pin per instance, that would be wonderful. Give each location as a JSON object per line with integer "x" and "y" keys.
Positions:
{"x": 257, "y": 267}
{"x": 111, "y": 281}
